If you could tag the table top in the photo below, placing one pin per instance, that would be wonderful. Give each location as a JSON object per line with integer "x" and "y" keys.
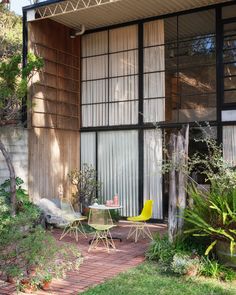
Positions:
{"x": 104, "y": 207}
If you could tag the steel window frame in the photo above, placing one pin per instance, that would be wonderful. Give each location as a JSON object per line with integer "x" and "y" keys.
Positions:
{"x": 140, "y": 126}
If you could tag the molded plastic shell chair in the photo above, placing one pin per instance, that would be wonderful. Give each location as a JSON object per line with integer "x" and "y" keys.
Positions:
{"x": 139, "y": 226}
{"x": 101, "y": 221}
{"x": 74, "y": 224}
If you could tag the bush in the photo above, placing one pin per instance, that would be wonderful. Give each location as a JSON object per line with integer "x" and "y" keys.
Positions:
{"x": 115, "y": 215}
{"x": 161, "y": 249}
{"x": 86, "y": 185}
{"x": 212, "y": 268}
{"x": 24, "y": 244}
{"x": 26, "y": 212}
{"x": 183, "y": 264}
{"x": 185, "y": 257}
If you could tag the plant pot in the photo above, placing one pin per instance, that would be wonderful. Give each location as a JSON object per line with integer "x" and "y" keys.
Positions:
{"x": 11, "y": 279}
{"x": 26, "y": 287}
{"x": 224, "y": 255}
{"x": 46, "y": 285}
{"x": 192, "y": 271}
{"x": 86, "y": 211}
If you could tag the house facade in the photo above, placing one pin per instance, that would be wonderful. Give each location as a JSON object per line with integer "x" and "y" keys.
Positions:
{"x": 119, "y": 77}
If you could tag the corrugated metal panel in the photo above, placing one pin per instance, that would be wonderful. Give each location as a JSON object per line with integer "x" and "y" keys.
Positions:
{"x": 127, "y": 10}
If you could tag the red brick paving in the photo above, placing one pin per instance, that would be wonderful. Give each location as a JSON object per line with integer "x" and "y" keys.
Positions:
{"x": 98, "y": 265}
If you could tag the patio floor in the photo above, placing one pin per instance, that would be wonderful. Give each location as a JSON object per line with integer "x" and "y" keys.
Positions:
{"x": 98, "y": 265}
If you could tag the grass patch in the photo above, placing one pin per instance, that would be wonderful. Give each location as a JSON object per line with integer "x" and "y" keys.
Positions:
{"x": 148, "y": 279}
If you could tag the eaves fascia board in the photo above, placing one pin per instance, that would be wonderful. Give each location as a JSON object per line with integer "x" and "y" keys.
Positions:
{"x": 41, "y": 4}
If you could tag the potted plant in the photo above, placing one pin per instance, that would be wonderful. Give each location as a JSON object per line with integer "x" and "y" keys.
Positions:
{"x": 86, "y": 186}
{"x": 46, "y": 281}
{"x": 29, "y": 285}
{"x": 13, "y": 274}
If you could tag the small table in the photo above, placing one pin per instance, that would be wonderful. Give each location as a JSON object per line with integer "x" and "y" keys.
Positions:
{"x": 104, "y": 207}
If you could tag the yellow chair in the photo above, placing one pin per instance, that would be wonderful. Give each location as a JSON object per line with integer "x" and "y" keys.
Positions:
{"x": 139, "y": 226}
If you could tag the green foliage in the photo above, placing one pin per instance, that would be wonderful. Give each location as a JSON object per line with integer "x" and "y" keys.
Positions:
{"x": 10, "y": 33}
{"x": 24, "y": 243}
{"x": 115, "y": 215}
{"x": 161, "y": 249}
{"x": 185, "y": 257}
{"x": 26, "y": 211}
{"x": 149, "y": 279}
{"x": 210, "y": 268}
{"x": 184, "y": 264}
{"x": 213, "y": 214}
{"x": 86, "y": 184}
{"x": 13, "y": 84}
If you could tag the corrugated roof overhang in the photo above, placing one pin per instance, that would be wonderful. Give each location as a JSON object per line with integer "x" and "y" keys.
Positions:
{"x": 101, "y": 13}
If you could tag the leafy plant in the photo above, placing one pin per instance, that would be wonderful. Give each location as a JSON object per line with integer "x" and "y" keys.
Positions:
{"x": 213, "y": 214}
{"x": 25, "y": 244}
{"x": 86, "y": 184}
{"x": 210, "y": 268}
{"x": 26, "y": 211}
{"x": 14, "y": 80}
{"x": 10, "y": 33}
{"x": 47, "y": 277}
{"x": 161, "y": 249}
{"x": 183, "y": 264}
{"x": 115, "y": 215}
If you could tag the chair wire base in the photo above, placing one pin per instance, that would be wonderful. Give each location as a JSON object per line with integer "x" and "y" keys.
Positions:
{"x": 105, "y": 237}
{"x": 74, "y": 228}
{"x": 138, "y": 229}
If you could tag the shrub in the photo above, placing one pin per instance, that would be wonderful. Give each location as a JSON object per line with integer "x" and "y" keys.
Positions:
{"x": 25, "y": 244}
{"x": 86, "y": 185}
{"x": 185, "y": 257}
{"x": 212, "y": 214}
{"x": 212, "y": 268}
{"x": 183, "y": 264}
{"x": 26, "y": 212}
{"x": 115, "y": 215}
{"x": 161, "y": 249}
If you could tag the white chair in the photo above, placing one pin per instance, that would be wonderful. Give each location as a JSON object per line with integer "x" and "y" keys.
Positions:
{"x": 74, "y": 221}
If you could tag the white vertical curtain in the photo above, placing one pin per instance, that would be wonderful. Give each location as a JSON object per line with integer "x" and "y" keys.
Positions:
{"x": 118, "y": 168}
{"x": 229, "y": 144}
{"x": 110, "y": 77}
{"x": 94, "y": 92}
{"x": 88, "y": 148}
{"x": 154, "y": 72}
{"x": 152, "y": 170}
{"x": 123, "y": 73}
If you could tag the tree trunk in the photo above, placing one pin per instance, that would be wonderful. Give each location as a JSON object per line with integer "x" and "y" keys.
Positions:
{"x": 177, "y": 182}
{"x": 181, "y": 182}
{"x": 172, "y": 214}
{"x": 12, "y": 177}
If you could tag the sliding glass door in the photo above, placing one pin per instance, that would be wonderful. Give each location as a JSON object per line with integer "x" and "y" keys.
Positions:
{"x": 117, "y": 154}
